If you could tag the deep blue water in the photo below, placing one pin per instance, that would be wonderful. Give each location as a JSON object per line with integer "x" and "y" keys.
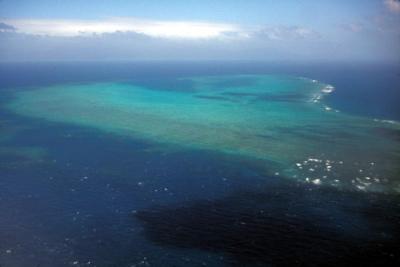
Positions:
{"x": 103, "y": 200}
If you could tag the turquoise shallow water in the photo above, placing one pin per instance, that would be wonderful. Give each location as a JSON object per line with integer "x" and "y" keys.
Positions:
{"x": 277, "y": 124}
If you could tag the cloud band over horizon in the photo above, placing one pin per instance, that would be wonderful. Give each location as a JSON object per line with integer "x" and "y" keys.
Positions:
{"x": 153, "y": 28}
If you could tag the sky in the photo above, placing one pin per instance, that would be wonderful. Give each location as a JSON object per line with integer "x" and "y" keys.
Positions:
{"x": 291, "y": 30}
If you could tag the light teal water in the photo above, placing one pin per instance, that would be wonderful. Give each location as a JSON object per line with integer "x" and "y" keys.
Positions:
{"x": 279, "y": 123}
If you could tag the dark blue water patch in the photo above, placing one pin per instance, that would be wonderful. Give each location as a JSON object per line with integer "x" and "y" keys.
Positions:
{"x": 284, "y": 225}
{"x": 314, "y": 132}
{"x": 235, "y": 82}
{"x": 281, "y": 98}
{"x": 220, "y": 98}
{"x": 289, "y": 97}
{"x": 241, "y": 94}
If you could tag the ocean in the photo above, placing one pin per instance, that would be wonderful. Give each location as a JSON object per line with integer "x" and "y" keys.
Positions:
{"x": 199, "y": 164}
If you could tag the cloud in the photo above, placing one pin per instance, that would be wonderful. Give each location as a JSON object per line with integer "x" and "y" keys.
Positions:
{"x": 153, "y": 28}
{"x": 6, "y": 27}
{"x": 393, "y": 5}
{"x": 353, "y": 27}
{"x": 286, "y": 33}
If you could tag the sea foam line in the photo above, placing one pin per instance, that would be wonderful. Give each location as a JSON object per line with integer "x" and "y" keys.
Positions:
{"x": 326, "y": 89}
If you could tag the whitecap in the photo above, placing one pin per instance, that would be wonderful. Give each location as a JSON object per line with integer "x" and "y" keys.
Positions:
{"x": 316, "y": 181}
{"x": 328, "y": 89}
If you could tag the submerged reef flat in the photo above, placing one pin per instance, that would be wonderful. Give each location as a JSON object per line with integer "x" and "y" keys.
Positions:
{"x": 265, "y": 118}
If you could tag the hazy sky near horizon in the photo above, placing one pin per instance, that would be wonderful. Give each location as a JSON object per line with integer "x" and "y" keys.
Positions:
{"x": 299, "y": 30}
